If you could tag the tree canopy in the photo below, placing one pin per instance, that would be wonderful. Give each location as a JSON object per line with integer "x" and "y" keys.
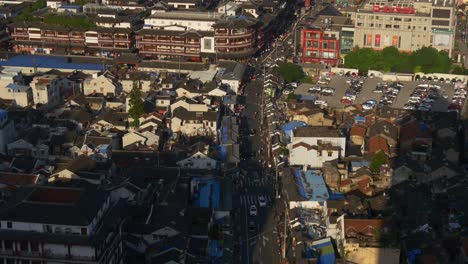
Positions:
{"x": 378, "y": 160}
{"x": 425, "y": 59}
{"x": 136, "y": 104}
{"x": 290, "y": 72}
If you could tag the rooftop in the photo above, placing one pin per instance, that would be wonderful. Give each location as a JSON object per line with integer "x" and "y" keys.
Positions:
{"x": 317, "y": 132}
{"x": 48, "y": 62}
{"x": 311, "y": 186}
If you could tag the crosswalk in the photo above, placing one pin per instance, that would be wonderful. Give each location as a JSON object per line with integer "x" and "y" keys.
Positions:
{"x": 253, "y": 199}
{"x": 253, "y": 182}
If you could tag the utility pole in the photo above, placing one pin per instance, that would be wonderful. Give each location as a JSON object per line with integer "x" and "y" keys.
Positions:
{"x": 283, "y": 249}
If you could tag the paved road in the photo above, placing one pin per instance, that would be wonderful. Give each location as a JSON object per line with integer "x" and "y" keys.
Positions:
{"x": 255, "y": 248}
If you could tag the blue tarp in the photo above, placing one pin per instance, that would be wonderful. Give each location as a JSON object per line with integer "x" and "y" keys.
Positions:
{"x": 311, "y": 186}
{"x": 207, "y": 194}
{"x": 216, "y": 252}
{"x": 359, "y": 119}
{"x": 336, "y": 195}
{"x": 48, "y": 62}
{"x": 289, "y": 127}
{"x": 324, "y": 252}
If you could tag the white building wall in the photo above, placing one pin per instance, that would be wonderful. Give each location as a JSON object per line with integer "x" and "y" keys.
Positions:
{"x": 56, "y": 249}
{"x": 82, "y": 251}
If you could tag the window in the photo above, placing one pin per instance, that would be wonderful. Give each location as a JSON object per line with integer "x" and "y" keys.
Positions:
{"x": 9, "y": 225}
{"x": 359, "y": 24}
{"x": 325, "y": 45}
{"x": 330, "y": 153}
{"x": 388, "y": 26}
{"x": 208, "y": 164}
{"x": 396, "y": 26}
{"x": 84, "y": 231}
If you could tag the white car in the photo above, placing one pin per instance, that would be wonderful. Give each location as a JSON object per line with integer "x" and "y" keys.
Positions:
{"x": 253, "y": 210}
{"x": 262, "y": 201}
{"x": 369, "y": 104}
{"x": 321, "y": 103}
{"x": 322, "y": 82}
{"x": 424, "y": 85}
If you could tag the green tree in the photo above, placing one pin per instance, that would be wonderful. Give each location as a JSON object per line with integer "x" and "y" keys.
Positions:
{"x": 136, "y": 104}
{"x": 378, "y": 160}
{"x": 364, "y": 59}
{"x": 290, "y": 72}
{"x": 390, "y": 58}
{"x": 430, "y": 60}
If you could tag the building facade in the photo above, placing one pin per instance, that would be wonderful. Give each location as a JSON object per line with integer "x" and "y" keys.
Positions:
{"x": 407, "y": 25}
{"x": 320, "y": 46}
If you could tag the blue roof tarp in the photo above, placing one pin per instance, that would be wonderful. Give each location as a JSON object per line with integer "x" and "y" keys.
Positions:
{"x": 359, "y": 119}
{"x": 324, "y": 252}
{"x": 48, "y": 62}
{"x": 207, "y": 194}
{"x": 216, "y": 251}
{"x": 289, "y": 127}
{"x": 311, "y": 186}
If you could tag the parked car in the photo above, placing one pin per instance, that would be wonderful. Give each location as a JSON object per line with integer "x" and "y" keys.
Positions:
{"x": 262, "y": 201}
{"x": 253, "y": 210}
{"x": 346, "y": 100}
{"x": 315, "y": 89}
{"x": 252, "y": 226}
{"x": 322, "y": 103}
{"x": 369, "y": 104}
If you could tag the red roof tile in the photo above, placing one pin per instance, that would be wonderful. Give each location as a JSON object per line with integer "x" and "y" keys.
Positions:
{"x": 52, "y": 195}
{"x": 377, "y": 143}
{"x": 363, "y": 226}
{"x": 18, "y": 179}
{"x": 358, "y": 131}
{"x": 346, "y": 182}
{"x": 412, "y": 131}
{"x": 465, "y": 246}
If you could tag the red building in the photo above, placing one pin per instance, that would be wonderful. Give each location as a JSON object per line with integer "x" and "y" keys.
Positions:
{"x": 320, "y": 46}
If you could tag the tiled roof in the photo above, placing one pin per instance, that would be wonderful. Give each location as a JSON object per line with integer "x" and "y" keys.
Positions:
{"x": 413, "y": 130}
{"x": 358, "y": 131}
{"x": 17, "y": 179}
{"x": 377, "y": 143}
{"x": 365, "y": 227}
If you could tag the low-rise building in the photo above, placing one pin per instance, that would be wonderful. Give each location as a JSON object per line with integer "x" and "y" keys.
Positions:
{"x": 21, "y": 94}
{"x": 47, "y": 224}
{"x": 312, "y": 146}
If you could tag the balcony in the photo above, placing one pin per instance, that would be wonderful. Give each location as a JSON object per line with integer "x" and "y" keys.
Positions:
{"x": 234, "y": 35}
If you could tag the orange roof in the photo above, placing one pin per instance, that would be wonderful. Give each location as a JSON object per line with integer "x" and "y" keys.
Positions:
{"x": 412, "y": 131}
{"x": 465, "y": 245}
{"x": 346, "y": 182}
{"x": 377, "y": 143}
{"x": 18, "y": 179}
{"x": 363, "y": 226}
{"x": 363, "y": 183}
{"x": 358, "y": 131}
{"x": 52, "y": 195}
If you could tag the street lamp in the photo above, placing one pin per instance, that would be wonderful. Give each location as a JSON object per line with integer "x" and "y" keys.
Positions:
{"x": 276, "y": 179}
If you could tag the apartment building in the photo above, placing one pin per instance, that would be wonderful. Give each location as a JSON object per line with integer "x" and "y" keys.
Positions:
{"x": 327, "y": 39}
{"x": 60, "y": 225}
{"x": 55, "y": 39}
{"x": 407, "y": 25}
{"x": 197, "y": 35}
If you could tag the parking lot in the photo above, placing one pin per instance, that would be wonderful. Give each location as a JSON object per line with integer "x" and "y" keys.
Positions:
{"x": 367, "y": 93}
